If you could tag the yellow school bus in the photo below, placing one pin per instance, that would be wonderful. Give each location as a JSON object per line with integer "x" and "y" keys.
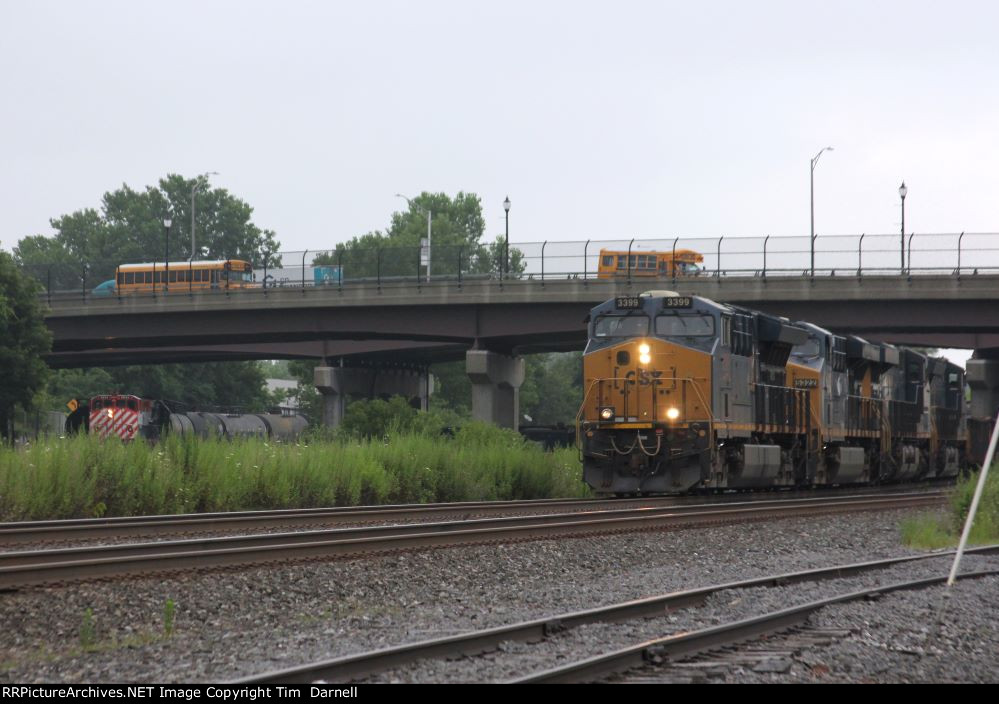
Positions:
{"x": 682, "y": 262}
{"x": 184, "y": 276}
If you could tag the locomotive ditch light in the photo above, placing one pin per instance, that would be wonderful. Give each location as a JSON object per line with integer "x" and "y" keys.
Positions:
{"x": 673, "y": 413}
{"x": 644, "y": 358}
{"x": 607, "y": 412}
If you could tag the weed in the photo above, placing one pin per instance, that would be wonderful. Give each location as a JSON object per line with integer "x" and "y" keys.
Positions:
{"x": 168, "y": 613}
{"x": 88, "y": 632}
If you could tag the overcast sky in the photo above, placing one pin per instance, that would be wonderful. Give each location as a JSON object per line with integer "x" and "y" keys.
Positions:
{"x": 599, "y": 120}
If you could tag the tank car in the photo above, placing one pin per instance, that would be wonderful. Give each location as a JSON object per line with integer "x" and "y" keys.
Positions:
{"x": 130, "y": 417}
{"x": 683, "y": 393}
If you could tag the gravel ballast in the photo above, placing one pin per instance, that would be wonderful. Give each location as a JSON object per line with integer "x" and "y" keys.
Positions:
{"x": 230, "y": 624}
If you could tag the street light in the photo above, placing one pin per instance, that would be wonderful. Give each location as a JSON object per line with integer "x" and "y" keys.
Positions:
{"x": 167, "y": 223}
{"x": 815, "y": 160}
{"x": 198, "y": 183}
{"x": 506, "y": 242}
{"x": 902, "y": 191}
{"x": 429, "y": 215}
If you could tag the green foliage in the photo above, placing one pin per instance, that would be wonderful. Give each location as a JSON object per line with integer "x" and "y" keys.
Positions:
{"x": 457, "y": 228}
{"x": 128, "y": 227}
{"x": 452, "y": 388}
{"x": 553, "y": 388}
{"x": 24, "y": 338}
{"x": 310, "y": 403}
{"x": 379, "y": 418}
{"x": 203, "y": 385}
{"x": 932, "y": 531}
{"x": 169, "y": 609}
{"x": 70, "y": 478}
{"x": 88, "y": 631}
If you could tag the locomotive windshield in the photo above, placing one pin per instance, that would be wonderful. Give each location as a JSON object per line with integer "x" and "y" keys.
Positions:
{"x": 812, "y": 347}
{"x": 621, "y": 326}
{"x": 679, "y": 325}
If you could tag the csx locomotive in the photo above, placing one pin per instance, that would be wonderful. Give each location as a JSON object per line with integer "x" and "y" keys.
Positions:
{"x": 682, "y": 393}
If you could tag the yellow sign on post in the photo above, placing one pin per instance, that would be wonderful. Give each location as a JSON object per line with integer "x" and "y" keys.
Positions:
{"x": 72, "y": 405}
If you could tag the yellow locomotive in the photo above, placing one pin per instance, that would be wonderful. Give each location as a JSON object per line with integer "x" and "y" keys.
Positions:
{"x": 683, "y": 393}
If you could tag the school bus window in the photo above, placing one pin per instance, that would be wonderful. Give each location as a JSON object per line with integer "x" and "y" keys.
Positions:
{"x": 608, "y": 260}
{"x": 173, "y": 277}
{"x": 129, "y": 277}
{"x": 121, "y": 278}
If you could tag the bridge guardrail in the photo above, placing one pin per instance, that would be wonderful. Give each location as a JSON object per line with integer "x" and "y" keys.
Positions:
{"x": 948, "y": 254}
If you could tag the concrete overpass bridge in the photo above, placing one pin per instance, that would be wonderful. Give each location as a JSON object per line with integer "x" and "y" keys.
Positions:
{"x": 358, "y": 328}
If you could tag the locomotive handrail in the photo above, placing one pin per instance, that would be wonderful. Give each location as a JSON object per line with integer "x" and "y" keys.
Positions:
{"x": 710, "y": 420}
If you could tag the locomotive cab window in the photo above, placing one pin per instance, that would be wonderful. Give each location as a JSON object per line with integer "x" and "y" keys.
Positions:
{"x": 621, "y": 326}
{"x": 679, "y": 325}
{"x": 809, "y": 348}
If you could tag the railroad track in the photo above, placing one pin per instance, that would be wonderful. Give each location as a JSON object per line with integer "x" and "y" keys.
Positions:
{"x": 361, "y": 665}
{"x": 718, "y": 637}
{"x": 137, "y": 527}
{"x": 37, "y": 567}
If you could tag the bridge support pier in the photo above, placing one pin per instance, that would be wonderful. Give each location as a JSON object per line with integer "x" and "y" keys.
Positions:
{"x": 496, "y": 381}
{"x": 982, "y": 376}
{"x": 337, "y": 384}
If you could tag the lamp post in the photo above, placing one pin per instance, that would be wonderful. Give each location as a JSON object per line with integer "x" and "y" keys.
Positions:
{"x": 902, "y": 191}
{"x": 198, "y": 183}
{"x": 429, "y": 215}
{"x": 815, "y": 160}
{"x": 506, "y": 241}
{"x": 167, "y": 223}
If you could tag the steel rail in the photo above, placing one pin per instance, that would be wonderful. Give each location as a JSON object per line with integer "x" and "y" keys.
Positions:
{"x": 14, "y": 533}
{"x": 687, "y": 644}
{"x": 476, "y": 642}
{"x": 28, "y": 568}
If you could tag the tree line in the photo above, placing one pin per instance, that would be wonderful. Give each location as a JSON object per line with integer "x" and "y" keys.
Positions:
{"x": 127, "y": 226}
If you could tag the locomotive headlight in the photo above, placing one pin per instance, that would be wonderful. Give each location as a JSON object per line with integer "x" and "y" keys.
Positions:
{"x": 607, "y": 413}
{"x": 110, "y": 413}
{"x": 643, "y": 349}
{"x": 673, "y": 413}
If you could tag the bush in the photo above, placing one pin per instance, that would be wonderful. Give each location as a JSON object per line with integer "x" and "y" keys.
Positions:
{"x": 82, "y": 477}
{"x": 935, "y": 531}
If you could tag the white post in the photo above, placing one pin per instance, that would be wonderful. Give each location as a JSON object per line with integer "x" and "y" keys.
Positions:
{"x": 974, "y": 503}
{"x": 428, "y": 245}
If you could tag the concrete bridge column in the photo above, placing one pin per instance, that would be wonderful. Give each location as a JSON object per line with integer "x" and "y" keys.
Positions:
{"x": 496, "y": 381}
{"x": 982, "y": 376}
{"x": 337, "y": 384}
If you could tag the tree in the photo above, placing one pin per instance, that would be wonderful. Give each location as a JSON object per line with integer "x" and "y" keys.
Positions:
{"x": 128, "y": 227}
{"x": 457, "y": 227}
{"x": 553, "y": 388}
{"x": 206, "y": 385}
{"x": 23, "y": 340}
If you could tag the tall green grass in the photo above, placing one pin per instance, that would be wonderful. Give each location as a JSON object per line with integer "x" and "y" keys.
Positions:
{"x": 84, "y": 477}
{"x": 938, "y": 531}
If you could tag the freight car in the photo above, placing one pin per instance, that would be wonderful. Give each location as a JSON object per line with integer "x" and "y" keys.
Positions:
{"x": 129, "y": 417}
{"x": 682, "y": 393}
